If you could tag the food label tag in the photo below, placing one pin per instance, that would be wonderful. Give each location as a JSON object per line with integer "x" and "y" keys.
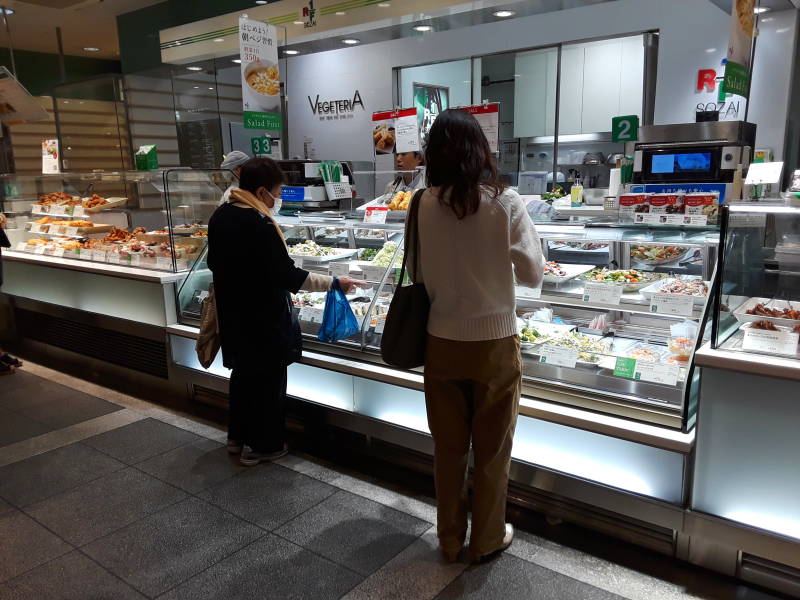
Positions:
{"x": 164, "y": 262}
{"x": 58, "y": 210}
{"x": 376, "y": 214}
{"x": 98, "y": 256}
{"x": 298, "y": 261}
{"x": 556, "y": 355}
{"x": 85, "y": 254}
{"x": 672, "y": 304}
{"x": 380, "y": 325}
{"x": 373, "y": 273}
{"x": 695, "y": 220}
{"x": 602, "y": 293}
{"x": 58, "y": 252}
{"x": 527, "y": 292}
{"x": 647, "y": 218}
{"x": 37, "y": 209}
{"x": 772, "y": 342}
{"x": 625, "y": 367}
{"x": 136, "y": 260}
{"x": 656, "y": 373}
{"x": 339, "y": 269}
{"x": 39, "y": 250}
{"x": 71, "y": 231}
{"x": 36, "y": 228}
{"x": 21, "y": 246}
{"x": 113, "y": 258}
{"x": 672, "y": 219}
{"x": 311, "y": 314}
{"x": 77, "y": 211}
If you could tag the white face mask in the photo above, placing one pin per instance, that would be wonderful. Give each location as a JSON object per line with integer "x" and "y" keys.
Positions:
{"x": 276, "y": 207}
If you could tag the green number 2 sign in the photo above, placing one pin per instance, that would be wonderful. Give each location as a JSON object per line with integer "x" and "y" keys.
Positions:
{"x": 625, "y": 129}
{"x": 261, "y": 145}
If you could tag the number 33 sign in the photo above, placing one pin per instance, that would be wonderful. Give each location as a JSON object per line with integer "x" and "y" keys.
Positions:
{"x": 625, "y": 129}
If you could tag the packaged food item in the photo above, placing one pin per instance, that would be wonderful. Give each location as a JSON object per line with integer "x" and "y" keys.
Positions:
{"x": 630, "y": 204}
{"x": 706, "y": 203}
{"x": 666, "y": 204}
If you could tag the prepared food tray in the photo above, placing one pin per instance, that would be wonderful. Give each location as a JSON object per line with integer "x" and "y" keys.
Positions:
{"x": 779, "y": 312}
{"x": 555, "y": 272}
{"x": 696, "y": 288}
{"x": 633, "y": 280}
{"x": 658, "y": 255}
{"x": 597, "y": 247}
{"x": 96, "y": 204}
{"x": 52, "y": 226}
{"x": 189, "y": 228}
{"x": 532, "y": 333}
{"x": 313, "y": 252}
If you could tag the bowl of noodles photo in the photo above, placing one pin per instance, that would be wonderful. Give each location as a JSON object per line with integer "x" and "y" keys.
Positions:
{"x": 263, "y": 85}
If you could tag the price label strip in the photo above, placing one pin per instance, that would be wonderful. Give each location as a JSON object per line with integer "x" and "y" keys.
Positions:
{"x": 602, "y": 293}
{"x": 339, "y": 269}
{"x": 672, "y": 304}
{"x": 656, "y": 373}
{"x": 700, "y": 220}
{"x": 39, "y": 249}
{"x": 311, "y": 314}
{"x": 58, "y": 252}
{"x": 771, "y": 342}
{"x": 558, "y": 356}
{"x": 372, "y": 273}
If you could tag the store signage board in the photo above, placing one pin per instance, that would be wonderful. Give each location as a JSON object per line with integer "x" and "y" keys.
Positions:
{"x": 261, "y": 146}
{"x": 488, "y": 116}
{"x": 558, "y": 356}
{"x": 625, "y": 129}
{"x": 740, "y": 47}
{"x": 771, "y": 342}
{"x": 395, "y": 131}
{"x": 261, "y": 82}
{"x": 625, "y": 367}
{"x": 602, "y": 293}
{"x": 683, "y": 188}
{"x": 763, "y": 173}
{"x": 17, "y": 106}
{"x": 376, "y": 214}
{"x": 339, "y": 269}
{"x": 672, "y": 304}
{"x": 655, "y": 373}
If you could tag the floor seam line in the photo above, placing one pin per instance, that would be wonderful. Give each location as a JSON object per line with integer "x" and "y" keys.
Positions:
{"x": 318, "y": 555}
{"x": 110, "y": 572}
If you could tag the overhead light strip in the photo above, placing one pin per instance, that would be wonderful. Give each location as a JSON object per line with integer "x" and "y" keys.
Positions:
{"x": 202, "y": 37}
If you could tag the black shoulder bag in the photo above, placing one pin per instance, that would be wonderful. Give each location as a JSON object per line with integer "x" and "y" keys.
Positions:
{"x": 405, "y": 335}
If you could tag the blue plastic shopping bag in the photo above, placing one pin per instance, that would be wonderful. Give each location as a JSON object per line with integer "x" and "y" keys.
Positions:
{"x": 338, "y": 320}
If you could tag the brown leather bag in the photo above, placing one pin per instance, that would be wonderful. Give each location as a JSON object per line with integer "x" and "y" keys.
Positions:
{"x": 208, "y": 341}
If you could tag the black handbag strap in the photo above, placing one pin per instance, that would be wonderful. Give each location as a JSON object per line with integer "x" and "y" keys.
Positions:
{"x": 411, "y": 235}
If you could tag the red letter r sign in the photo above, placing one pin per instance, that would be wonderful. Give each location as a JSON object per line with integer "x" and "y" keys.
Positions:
{"x": 706, "y": 80}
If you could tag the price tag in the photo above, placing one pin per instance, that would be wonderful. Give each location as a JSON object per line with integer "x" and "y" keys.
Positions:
{"x": 77, "y": 211}
{"x": 556, "y": 355}
{"x": 646, "y": 218}
{"x": 625, "y": 367}
{"x": 298, "y": 261}
{"x": 311, "y": 314}
{"x": 602, "y": 293}
{"x": 58, "y": 210}
{"x": 113, "y": 258}
{"x": 380, "y": 325}
{"x": 85, "y": 254}
{"x": 656, "y": 373}
{"x": 71, "y": 231}
{"x": 376, "y": 214}
{"x": 98, "y": 256}
{"x": 57, "y": 229}
{"x": 339, "y": 269}
{"x": 58, "y": 252}
{"x": 530, "y": 293}
{"x": 672, "y": 304}
{"x": 21, "y": 246}
{"x": 672, "y": 219}
{"x": 36, "y": 228}
{"x": 373, "y": 273}
{"x": 772, "y": 342}
{"x": 37, "y": 209}
{"x": 136, "y": 260}
{"x": 163, "y": 262}
{"x": 695, "y": 220}
{"x": 39, "y": 250}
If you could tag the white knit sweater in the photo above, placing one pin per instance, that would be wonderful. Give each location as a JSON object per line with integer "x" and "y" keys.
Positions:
{"x": 469, "y": 265}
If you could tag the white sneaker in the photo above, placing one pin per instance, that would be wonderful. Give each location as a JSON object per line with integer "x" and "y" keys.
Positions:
{"x": 250, "y": 458}
{"x": 508, "y": 538}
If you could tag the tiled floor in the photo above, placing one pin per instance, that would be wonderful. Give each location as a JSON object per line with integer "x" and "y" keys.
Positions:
{"x": 106, "y": 496}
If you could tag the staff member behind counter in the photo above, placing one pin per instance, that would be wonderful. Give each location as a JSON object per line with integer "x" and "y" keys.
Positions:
{"x": 411, "y": 173}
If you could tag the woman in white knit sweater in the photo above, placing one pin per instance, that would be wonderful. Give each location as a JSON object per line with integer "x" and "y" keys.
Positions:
{"x": 475, "y": 239}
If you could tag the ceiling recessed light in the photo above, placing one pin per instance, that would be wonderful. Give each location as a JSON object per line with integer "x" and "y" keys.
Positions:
{"x": 710, "y": 50}
{"x": 384, "y": 4}
{"x": 261, "y": 1}
{"x": 760, "y": 9}
{"x": 218, "y": 40}
{"x": 504, "y": 13}
{"x": 197, "y": 87}
{"x": 292, "y": 52}
{"x": 340, "y": 13}
{"x": 423, "y": 28}
{"x": 194, "y": 68}
{"x": 298, "y": 22}
{"x": 351, "y": 41}
{"x": 91, "y": 49}
{"x": 238, "y": 61}
{"x": 211, "y": 88}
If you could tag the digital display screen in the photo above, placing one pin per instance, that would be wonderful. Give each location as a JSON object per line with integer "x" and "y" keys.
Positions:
{"x": 689, "y": 162}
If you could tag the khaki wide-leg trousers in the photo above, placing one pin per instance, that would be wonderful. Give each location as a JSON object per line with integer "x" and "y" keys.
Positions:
{"x": 472, "y": 392}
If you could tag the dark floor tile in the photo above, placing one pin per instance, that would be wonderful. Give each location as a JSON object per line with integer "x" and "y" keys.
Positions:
{"x": 172, "y": 545}
{"x": 70, "y": 577}
{"x": 104, "y": 505}
{"x": 19, "y": 379}
{"x": 510, "y": 578}
{"x": 24, "y": 544}
{"x": 268, "y": 495}
{"x": 65, "y": 410}
{"x": 141, "y": 440}
{"x": 269, "y": 568}
{"x": 194, "y": 467}
{"x": 51, "y": 473}
{"x": 31, "y": 390}
{"x": 5, "y": 507}
{"x": 15, "y": 427}
{"x": 354, "y": 531}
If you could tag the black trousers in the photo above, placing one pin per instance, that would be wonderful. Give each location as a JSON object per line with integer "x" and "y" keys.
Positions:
{"x": 258, "y": 407}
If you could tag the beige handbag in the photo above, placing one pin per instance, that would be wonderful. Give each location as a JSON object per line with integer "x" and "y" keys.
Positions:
{"x": 208, "y": 341}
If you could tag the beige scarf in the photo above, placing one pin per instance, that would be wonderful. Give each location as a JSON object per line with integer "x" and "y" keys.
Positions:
{"x": 245, "y": 197}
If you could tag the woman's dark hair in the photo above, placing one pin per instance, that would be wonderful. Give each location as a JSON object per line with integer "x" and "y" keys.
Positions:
{"x": 260, "y": 172}
{"x": 458, "y": 159}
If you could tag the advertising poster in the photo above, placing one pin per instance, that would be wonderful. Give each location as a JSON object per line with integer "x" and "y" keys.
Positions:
{"x": 488, "y": 115}
{"x": 430, "y": 101}
{"x": 50, "y": 162}
{"x": 740, "y": 45}
{"x": 395, "y": 131}
{"x": 261, "y": 81}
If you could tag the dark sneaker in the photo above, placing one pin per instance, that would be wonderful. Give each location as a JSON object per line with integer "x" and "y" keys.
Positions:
{"x": 9, "y": 360}
{"x": 250, "y": 458}
{"x": 234, "y": 446}
{"x": 6, "y": 369}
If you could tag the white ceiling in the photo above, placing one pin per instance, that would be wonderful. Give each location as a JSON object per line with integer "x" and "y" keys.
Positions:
{"x": 84, "y": 23}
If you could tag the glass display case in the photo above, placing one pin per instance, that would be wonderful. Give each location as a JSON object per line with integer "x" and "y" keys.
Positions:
{"x": 759, "y": 303}
{"x": 614, "y": 326}
{"x": 146, "y": 219}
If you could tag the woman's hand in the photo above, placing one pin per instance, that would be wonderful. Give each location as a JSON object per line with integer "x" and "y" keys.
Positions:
{"x": 3, "y": 221}
{"x": 348, "y": 283}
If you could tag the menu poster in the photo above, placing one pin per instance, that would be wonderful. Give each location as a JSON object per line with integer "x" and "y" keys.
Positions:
{"x": 261, "y": 81}
{"x": 740, "y": 46}
{"x": 50, "y": 159}
{"x": 488, "y": 116}
{"x": 395, "y": 131}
